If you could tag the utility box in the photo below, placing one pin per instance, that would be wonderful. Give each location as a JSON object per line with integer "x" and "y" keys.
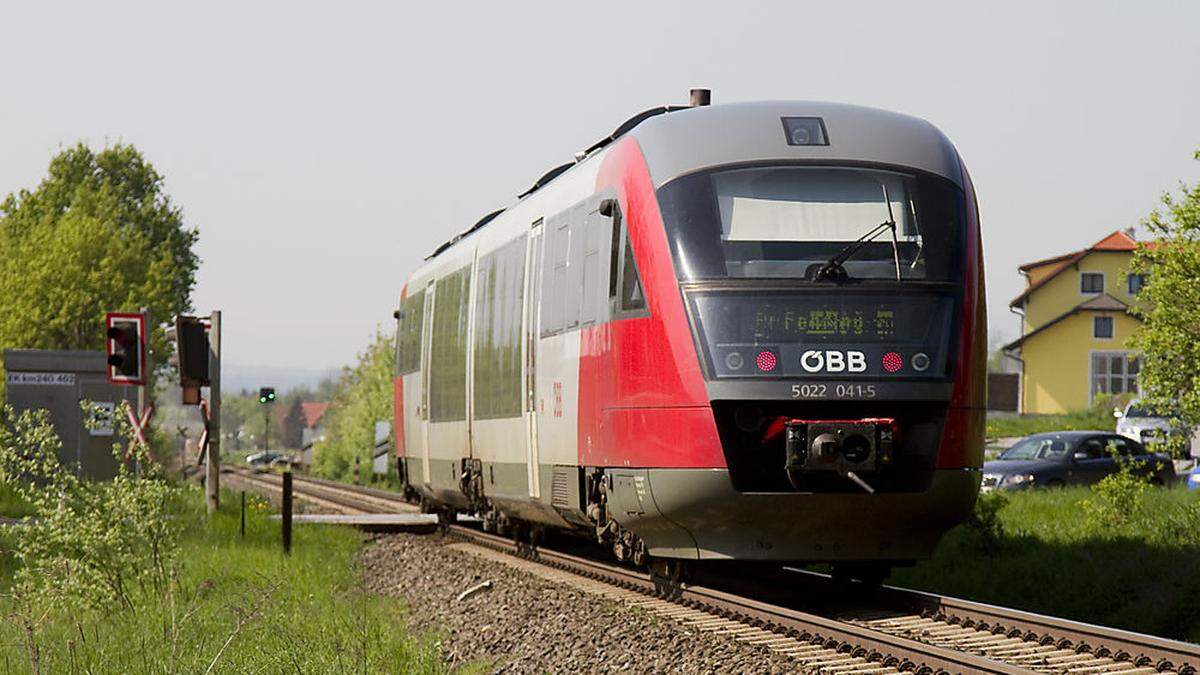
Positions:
{"x": 58, "y": 381}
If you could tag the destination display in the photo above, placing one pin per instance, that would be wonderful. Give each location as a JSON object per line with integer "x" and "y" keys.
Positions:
{"x": 811, "y": 335}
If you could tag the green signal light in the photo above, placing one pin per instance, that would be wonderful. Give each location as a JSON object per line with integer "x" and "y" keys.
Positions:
{"x": 262, "y": 399}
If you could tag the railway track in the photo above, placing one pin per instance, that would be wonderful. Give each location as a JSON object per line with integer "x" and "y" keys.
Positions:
{"x": 897, "y": 631}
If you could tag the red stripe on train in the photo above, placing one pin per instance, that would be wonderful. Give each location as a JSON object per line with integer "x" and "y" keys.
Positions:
{"x": 642, "y": 400}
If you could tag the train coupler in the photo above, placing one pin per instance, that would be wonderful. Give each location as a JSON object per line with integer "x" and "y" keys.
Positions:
{"x": 846, "y": 447}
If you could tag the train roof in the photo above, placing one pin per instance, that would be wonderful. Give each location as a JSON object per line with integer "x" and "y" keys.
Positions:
{"x": 691, "y": 139}
{"x": 677, "y": 140}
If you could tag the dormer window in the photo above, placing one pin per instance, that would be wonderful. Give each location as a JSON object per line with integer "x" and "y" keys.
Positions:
{"x": 1091, "y": 282}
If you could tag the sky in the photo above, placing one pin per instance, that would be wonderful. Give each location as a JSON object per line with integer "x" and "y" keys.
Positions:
{"x": 324, "y": 149}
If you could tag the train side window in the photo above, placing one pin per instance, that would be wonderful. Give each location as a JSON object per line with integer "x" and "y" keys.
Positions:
{"x": 577, "y": 239}
{"x": 592, "y": 288}
{"x": 448, "y": 345}
{"x": 614, "y": 264}
{"x": 408, "y": 335}
{"x": 554, "y": 276}
{"x": 632, "y": 296}
{"x": 499, "y": 284}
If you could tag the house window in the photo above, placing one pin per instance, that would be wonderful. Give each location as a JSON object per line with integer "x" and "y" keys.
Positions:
{"x": 1102, "y": 327}
{"x": 1114, "y": 373}
{"x": 1136, "y": 282}
{"x": 1091, "y": 282}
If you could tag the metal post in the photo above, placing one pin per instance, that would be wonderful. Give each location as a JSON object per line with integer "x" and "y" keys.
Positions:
{"x": 146, "y": 369}
{"x": 212, "y": 476}
{"x": 267, "y": 426}
{"x": 243, "y": 528}
{"x": 287, "y": 512}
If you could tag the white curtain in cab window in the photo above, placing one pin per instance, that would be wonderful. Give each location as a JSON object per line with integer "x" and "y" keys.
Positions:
{"x": 808, "y": 204}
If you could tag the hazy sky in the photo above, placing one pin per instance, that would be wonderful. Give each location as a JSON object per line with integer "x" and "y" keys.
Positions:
{"x": 323, "y": 150}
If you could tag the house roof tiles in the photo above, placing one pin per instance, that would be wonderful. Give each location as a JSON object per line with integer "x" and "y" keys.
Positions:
{"x": 1118, "y": 241}
{"x": 313, "y": 411}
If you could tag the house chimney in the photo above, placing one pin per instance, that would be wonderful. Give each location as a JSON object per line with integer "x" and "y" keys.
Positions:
{"x": 701, "y": 97}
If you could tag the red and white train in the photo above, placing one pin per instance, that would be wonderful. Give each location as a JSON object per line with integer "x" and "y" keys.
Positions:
{"x": 751, "y": 332}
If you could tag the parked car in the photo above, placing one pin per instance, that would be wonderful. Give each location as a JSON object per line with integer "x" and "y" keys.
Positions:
{"x": 285, "y": 462}
{"x": 262, "y": 458}
{"x": 1071, "y": 458}
{"x": 1137, "y": 423}
{"x": 1193, "y": 478}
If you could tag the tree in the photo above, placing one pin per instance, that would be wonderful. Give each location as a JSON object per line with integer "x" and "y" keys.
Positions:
{"x": 363, "y": 397}
{"x": 98, "y": 234}
{"x": 1169, "y": 306}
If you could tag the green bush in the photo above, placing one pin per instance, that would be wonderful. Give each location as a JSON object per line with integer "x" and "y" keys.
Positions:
{"x": 95, "y": 544}
{"x": 985, "y": 520}
{"x": 1117, "y": 499}
{"x": 364, "y": 397}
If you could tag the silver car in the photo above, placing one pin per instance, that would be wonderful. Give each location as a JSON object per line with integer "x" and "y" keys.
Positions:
{"x": 1138, "y": 424}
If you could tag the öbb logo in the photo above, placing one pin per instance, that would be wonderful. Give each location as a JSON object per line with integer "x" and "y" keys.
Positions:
{"x": 833, "y": 361}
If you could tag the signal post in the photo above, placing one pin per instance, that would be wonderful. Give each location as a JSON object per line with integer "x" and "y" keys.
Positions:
{"x": 198, "y": 359}
{"x": 212, "y": 478}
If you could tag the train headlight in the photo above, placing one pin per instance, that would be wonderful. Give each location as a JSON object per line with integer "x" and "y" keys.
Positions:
{"x": 920, "y": 362}
{"x": 734, "y": 360}
{"x": 805, "y": 131}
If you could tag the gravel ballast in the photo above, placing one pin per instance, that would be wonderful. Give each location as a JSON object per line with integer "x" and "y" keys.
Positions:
{"x": 525, "y": 624}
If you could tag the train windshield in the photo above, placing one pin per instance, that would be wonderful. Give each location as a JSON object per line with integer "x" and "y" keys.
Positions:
{"x": 789, "y": 221}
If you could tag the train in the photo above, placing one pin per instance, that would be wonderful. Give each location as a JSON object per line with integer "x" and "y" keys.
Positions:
{"x": 749, "y": 332}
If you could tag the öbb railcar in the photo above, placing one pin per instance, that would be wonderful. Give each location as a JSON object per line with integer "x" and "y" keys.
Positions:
{"x": 749, "y": 332}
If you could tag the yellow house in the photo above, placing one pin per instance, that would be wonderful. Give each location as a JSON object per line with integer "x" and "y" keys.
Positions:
{"x": 1074, "y": 326}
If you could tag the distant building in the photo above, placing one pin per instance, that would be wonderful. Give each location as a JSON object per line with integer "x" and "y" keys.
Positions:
{"x": 1075, "y": 323}
{"x": 312, "y": 413}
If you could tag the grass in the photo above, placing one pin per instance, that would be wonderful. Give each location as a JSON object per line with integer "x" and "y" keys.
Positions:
{"x": 306, "y": 612}
{"x": 11, "y": 503}
{"x": 1098, "y": 416}
{"x": 1009, "y": 426}
{"x": 1051, "y": 559}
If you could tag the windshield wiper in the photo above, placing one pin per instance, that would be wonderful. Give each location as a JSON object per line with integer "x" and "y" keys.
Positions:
{"x": 833, "y": 270}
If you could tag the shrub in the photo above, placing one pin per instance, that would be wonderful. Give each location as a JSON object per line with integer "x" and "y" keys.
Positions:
{"x": 985, "y": 520}
{"x": 88, "y": 545}
{"x": 1118, "y": 499}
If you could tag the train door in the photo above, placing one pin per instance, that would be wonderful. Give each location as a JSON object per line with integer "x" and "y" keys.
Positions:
{"x": 533, "y": 302}
{"x": 423, "y": 410}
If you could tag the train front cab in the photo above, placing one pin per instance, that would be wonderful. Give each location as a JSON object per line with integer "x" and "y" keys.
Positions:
{"x": 755, "y": 346}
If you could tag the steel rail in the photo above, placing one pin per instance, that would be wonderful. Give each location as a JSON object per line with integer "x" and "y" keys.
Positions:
{"x": 1137, "y": 649}
{"x": 1163, "y": 654}
{"x": 340, "y": 497}
{"x": 884, "y": 648}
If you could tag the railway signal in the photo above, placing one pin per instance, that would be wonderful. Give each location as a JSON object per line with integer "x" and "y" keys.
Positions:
{"x": 266, "y": 396}
{"x": 126, "y": 347}
{"x": 189, "y": 336}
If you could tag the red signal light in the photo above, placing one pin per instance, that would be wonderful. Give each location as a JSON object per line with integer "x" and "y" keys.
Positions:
{"x": 892, "y": 362}
{"x": 766, "y": 360}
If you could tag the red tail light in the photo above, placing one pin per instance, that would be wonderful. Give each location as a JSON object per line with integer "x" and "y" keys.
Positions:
{"x": 766, "y": 360}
